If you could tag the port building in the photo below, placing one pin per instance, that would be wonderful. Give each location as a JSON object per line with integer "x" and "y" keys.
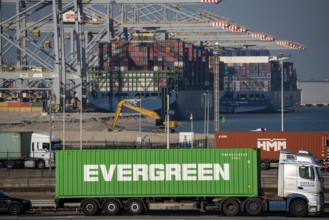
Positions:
{"x": 314, "y": 93}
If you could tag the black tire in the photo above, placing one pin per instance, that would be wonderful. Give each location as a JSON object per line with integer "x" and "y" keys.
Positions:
{"x": 231, "y": 207}
{"x": 10, "y": 164}
{"x": 111, "y": 207}
{"x": 15, "y": 209}
{"x": 264, "y": 165}
{"x": 298, "y": 208}
{"x": 254, "y": 206}
{"x": 135, "y": 207}
{"x": 90, "y": 207}
{"x": 41, "y": 164}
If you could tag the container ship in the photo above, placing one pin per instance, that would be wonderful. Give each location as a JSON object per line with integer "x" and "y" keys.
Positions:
{"x": 252, "y": 83}
{"x": 144, "y": 70}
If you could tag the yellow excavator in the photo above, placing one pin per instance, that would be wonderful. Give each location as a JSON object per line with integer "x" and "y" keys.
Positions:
{"x": 159, "y": 122}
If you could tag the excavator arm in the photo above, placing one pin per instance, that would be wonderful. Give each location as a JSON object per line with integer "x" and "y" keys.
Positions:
{"x": 146, "y": 112}
{"x": 143, "y": 111}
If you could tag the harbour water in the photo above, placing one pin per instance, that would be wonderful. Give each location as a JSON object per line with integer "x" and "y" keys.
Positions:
{"x": 302, "y": 119}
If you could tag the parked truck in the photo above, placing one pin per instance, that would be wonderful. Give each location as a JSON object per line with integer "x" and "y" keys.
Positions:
{"x": 270, "y": 143}
{"x": 27, "y": 149}
{"x": 228, "y": 180}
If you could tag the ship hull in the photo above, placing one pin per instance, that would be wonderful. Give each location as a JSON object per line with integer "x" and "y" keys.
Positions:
{"x": 195, "y": 102}
{"x": 184, "y": 104}
{"x": 149, "y": 100}
{"x": 246, "y": 102}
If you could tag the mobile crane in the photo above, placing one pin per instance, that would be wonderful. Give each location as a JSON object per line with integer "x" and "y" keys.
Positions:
{"x": 159, "y": 122}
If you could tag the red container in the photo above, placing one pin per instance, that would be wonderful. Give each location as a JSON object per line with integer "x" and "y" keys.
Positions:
{"x": 271, "y": 143}
{"x": 25, "y": 104}
{"x": 13, "y": 104}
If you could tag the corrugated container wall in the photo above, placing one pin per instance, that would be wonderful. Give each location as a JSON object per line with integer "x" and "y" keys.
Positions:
{"x": 270, "y": 143}
{"x": 15, "y": 145}
{"x": 157, "y": 173}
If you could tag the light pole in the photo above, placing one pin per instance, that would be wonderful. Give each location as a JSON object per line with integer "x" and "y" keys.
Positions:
{"x": 216, "y": 86}
{"x": 280, "y": 58}
{"x": 192, "y": 135}
{"x": 205, "y": 114}
{"x": 49, "y": 94}
{"x": 282, "y": 96}
{"x": 168, "y": 122}
{"x": 208, "y": 107}
{"x": 191, "y": 118}
{"x": 139, "y": 139}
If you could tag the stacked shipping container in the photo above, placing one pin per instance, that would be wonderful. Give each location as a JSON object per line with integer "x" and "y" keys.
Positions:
{"x": 144, "y": 66}
{"x": 135, "y": 66}
{"x": 289, "y": 77}
{"x": 265, "y": 76}
{"x": 21, "y": 107}
{"x": 247, "y": 76}
{"x": 196, "y": 65}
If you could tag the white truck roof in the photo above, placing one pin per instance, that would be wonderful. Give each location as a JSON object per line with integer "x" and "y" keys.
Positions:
{"x": 303, "y": 157}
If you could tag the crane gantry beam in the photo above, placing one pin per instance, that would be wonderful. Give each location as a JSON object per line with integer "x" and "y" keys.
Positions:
{"x": 150, "y": 1}
{"x": 221, "y": 32}
{"x": 125, "y": 1}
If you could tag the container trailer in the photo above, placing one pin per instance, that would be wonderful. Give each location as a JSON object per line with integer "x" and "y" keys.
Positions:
{"x": 270, "y": 143}
{"x": 27, "y": 149}
{"x": 113, "y": 181}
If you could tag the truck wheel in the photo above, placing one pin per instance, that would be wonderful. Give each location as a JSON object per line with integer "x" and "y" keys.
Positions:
{"x": 264, "y": 165}
{"x": 135, "y": 207}
{"x": 15, "y": 209}
{"x": 231, "y": 207}
{"x": 111, "y": 207}
{"x": 298, "y": 208}
{"x": 89, "y": 207}
{"x": 10, "y": 164}
{"x": 41, "y": 164}
{"x": 254, "y": 206}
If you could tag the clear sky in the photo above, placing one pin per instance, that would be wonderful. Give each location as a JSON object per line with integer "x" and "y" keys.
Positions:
{"x": 302, "y": 21}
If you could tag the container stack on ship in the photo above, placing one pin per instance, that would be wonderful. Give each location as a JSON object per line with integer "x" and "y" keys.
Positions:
{"x": 252, "y": 83}
{"x": 144, "y": 69}
{"x": 292, "y": 95}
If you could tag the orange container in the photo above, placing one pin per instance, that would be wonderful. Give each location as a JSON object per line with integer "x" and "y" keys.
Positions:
{"x": 13, "y": 109}
{"x": 3, "y": 104}
{"x": 25, "y": 109}
{"x": 37, "y": 109}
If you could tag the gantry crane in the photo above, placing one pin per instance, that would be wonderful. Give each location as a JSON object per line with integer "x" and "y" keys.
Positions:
{"x": 63, "y": 39}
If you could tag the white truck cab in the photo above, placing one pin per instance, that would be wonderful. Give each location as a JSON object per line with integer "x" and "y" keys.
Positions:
{"x": 40, "y": 151}
{"x": 300, "y": 183}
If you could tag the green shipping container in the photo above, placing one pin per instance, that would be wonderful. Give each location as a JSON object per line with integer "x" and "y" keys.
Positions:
{"x": 37, "y": 104}
{"x": 157, "y": 173}
{"x": 14, "y": 145}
